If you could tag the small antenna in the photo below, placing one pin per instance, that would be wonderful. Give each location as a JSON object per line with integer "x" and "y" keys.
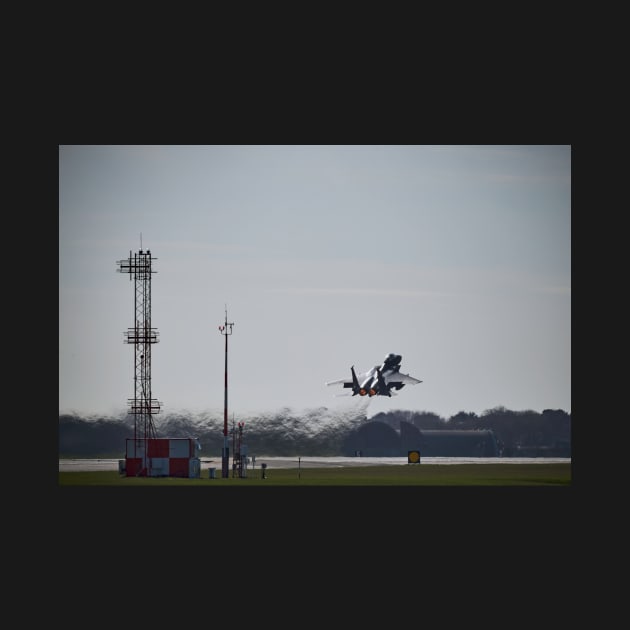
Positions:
{"x": 140, "y": 241}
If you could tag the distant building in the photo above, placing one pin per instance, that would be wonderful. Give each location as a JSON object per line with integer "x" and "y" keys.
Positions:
{"x": 377, "y": 439}
{"x": 373, "y": 439}
{"x": 458, "y": 443}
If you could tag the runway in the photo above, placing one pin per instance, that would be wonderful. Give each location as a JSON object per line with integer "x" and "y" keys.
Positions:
{"x": 83, "y": 465}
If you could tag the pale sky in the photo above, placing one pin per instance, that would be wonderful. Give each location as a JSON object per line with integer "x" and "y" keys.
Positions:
{"x": 458, "y": 258}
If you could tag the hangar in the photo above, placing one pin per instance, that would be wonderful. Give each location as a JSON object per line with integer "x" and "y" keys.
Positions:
{"x": 378, "y": 439}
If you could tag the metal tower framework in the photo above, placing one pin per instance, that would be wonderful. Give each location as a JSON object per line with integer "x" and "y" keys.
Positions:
{"x": 142, "y": 336}
{"x": 237, "y": 459}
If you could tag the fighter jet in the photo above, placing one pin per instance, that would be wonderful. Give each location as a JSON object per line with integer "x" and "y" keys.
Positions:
{"x": 380, "y": 380}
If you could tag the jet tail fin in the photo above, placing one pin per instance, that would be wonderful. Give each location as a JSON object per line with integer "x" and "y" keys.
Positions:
{"x": 382, "y": 385}
{"x": 355, "y": 382}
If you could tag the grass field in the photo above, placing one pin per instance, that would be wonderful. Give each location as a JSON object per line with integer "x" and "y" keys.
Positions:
{"x": 553, "y": 474}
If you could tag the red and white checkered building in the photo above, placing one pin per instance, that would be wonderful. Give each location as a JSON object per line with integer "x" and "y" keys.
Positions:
{"x": 162, "y": 457}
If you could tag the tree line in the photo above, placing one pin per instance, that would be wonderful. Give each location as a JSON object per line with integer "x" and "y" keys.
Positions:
{"x": 518, "y": 433}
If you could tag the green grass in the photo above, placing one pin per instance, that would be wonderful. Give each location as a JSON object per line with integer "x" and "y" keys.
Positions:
{"x": 553, "y": 474}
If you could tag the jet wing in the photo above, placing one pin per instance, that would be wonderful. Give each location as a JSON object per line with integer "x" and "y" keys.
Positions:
{"x": 341, "y": 381}
{"x": 347, "y": 382}
{"x": 344, "y": 382}
{"x": 401, "y": 379}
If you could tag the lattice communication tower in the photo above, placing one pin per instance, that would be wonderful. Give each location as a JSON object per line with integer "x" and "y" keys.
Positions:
{"x": 237, "y": 460}
{"x": 142, "y": 406}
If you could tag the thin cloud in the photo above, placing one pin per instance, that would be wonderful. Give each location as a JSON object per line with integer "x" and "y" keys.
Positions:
{"x": 370, "y": 292}
{"x": 553, "y": 290}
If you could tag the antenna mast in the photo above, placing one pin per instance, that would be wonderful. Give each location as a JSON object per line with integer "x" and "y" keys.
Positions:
{"x": 226, "y": 331}
{"x": 142, "y": 336}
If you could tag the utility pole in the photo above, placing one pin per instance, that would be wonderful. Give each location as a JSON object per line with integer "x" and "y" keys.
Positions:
{"x": 225, "y": 330}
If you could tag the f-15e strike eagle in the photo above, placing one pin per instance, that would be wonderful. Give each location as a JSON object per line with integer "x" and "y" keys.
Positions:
{"x": 380, "y": 380}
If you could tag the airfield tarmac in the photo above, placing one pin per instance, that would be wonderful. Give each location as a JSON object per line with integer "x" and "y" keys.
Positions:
{"x": 82, "y": 465}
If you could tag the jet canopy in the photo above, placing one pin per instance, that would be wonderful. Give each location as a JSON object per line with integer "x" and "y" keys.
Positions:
{"x": 393, "y": 359}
